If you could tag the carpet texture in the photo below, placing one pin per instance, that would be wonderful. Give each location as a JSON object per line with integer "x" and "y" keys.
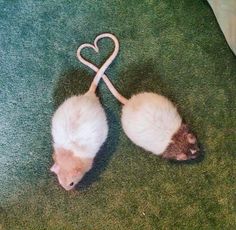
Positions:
{"x": 174, "y": 48}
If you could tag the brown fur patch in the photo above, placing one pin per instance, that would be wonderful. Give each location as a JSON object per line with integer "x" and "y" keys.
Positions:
{"x": 67, "y": 160}
{"x": 183, "y": 145}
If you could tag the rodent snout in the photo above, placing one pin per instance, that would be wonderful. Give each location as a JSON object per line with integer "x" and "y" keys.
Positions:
{"x": 194, "y": 152}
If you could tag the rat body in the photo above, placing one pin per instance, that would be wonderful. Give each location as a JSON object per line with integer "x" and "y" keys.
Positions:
{"x": 152, "y": 122}
{"x": 79, "y": 128}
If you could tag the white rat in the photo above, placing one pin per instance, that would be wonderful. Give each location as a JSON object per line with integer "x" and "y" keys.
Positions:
{"x": 152, "y": 122}
{"x": 79, "y": 128}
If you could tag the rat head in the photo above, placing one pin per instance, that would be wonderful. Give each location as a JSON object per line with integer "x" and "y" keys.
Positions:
{"x": 69, "y": 168}
{"x": 183, "y": 145}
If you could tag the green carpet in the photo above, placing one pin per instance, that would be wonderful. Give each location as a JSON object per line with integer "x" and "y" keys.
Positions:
{"x": 170, "y": 47}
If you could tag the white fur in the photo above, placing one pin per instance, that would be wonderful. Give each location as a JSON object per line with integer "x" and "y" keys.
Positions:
{"x": 80, "y": 125}
{"x": 150, "y": 120}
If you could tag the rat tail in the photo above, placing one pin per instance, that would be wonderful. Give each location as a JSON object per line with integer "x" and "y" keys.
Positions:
{"x": 100, "y": 72}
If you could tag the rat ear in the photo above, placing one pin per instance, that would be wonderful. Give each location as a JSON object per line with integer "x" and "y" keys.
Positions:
{"x": 191, "y": 138}
{"x": 55, "y": 168}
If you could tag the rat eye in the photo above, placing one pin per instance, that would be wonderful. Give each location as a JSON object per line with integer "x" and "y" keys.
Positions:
{"x": 72, "y": 183}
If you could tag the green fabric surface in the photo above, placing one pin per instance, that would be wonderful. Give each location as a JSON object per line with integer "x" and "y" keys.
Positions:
{"x": 174, "y": 48}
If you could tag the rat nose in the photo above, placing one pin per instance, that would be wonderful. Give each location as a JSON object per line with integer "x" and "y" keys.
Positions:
{"x": 195, "y": 152}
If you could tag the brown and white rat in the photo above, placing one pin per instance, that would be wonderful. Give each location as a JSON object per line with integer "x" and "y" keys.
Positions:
{"x": 152, "y": 122}
{"x": 79, "y": 128}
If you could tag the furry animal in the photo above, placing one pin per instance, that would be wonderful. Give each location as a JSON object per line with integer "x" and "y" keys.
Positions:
{"x": 152, "y": 122}
{"x": 79, "y": 128}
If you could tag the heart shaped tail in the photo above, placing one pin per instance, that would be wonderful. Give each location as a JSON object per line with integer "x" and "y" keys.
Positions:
{"x": 100, "y": 72}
